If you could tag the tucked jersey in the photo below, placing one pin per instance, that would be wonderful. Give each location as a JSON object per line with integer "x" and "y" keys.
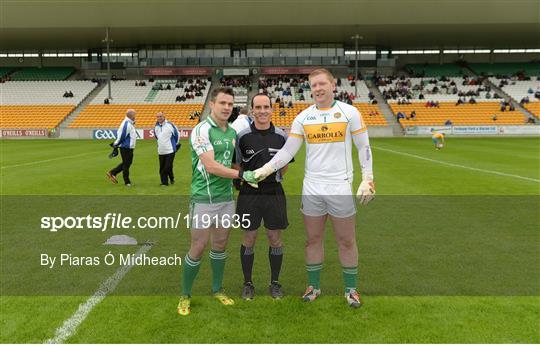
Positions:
{"x": 255, "y": 148}
{"x": 208, "y": 136}
{"x": 328, "y": 133}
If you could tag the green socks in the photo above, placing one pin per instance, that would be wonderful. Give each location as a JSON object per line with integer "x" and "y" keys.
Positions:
{"x": 349, "y": 278}
{"x": 217, "y": 261}
{"x": 191, "y": 268}
{"x": 314, "y": 275}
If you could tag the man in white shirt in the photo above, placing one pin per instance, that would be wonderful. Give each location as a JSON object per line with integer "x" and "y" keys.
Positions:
{"x": 243, "y": 120}
{"x": 126, "y": 137}
{"x": 329, "y": 128}
{"x": 168, "y": 141}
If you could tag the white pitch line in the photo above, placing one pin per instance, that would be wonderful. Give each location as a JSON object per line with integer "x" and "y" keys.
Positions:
{"x": 459, "y": 165}
{"x": 47, "y": 160}
{"x": 70, "y": 325}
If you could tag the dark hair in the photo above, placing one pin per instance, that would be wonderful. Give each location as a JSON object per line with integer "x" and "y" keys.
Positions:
{"x": 261, "y": 94}
{"x": 216, "y": 92}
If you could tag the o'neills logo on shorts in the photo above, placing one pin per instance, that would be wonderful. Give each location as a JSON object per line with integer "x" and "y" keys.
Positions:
{"x": 325, "y": 133}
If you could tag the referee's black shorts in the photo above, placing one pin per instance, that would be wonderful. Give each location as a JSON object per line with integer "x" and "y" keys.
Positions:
{"x": 267, "y": 203}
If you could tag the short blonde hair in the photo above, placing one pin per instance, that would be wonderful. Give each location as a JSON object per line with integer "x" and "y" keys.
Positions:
{"x": 322, "y": 71}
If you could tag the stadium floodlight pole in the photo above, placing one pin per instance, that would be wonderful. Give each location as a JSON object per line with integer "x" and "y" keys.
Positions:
{"x": 108, "y": 41}
{"x": 356, "y": 38}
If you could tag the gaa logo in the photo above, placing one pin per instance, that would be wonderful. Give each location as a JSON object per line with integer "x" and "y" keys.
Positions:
{"x": 104, "y": 134}
{"x": 324, "y": 128}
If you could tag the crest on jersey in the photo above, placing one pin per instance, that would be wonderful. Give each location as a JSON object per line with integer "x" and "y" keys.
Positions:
{"x": 324, "y": 128}
{"x": 337, "y": 115}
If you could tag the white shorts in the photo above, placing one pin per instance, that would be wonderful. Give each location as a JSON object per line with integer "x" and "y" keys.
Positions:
{"x": 204, "y": 216}
{"x": 335, "y": 199}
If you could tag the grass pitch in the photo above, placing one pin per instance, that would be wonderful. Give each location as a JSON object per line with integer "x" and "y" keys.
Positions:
{"x": 449, "y": 251}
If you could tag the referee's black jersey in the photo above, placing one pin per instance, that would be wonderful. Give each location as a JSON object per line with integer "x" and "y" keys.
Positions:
{"x": 255, "y": 148}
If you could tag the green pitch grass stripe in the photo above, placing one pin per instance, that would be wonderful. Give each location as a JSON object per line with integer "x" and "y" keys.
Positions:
{"x": 459, "y": 165}
{"x": 69, "y": 328}
{"x": 49, "y": 160}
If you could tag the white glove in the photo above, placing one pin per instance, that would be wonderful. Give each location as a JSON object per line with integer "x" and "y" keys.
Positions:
{"x": 366, "y": 192}
{"x": 263, "y": 172}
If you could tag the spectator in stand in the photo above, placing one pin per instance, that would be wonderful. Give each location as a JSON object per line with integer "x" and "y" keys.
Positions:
{"x": 524, "y": 100}
{"x": 511, "y": 107}
{"x": 472, "y": 100}
{"x": 413, "y": 115}
{"x": 178, "y": 98}
{"x": 290, "y": 104}
{"x": 400, "y": 116}
{"x": 494, "y": 117}
{"x": 448, "y": 123}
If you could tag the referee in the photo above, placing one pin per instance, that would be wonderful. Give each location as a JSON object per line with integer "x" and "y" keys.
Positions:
{"x": 168, "y": 142}
{"x": 255, "y": 146}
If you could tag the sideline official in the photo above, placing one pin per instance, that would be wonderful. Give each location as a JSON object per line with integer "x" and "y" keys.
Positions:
{"x": 168, "y": 142}
{"x": 126, "y": 136}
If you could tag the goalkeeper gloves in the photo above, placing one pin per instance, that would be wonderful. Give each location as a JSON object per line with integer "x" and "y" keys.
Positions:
{"x": 366, "y": 192}
{"x": 256, "y": 176}
{"x": 249, "y": 177}
{"x": 263, "y": 172}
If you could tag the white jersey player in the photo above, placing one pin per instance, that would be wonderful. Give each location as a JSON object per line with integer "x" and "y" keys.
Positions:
{"x": 329, "y": 128}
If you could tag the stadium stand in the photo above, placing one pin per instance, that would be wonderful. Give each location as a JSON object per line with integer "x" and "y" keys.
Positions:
{"x": 110, "y": 116}
{"x": 4, "y": 71}
{"x": 483, "y": 113}
{"x": 441, "y": 89}
{"x": 440, "y": 100}
{"x": 241, "y": 86}
{"x": 427, "y": 70}
{"x": 33, "y": 116}
{"x": 126, "y": 92}
{"x": 506, "y": 69}
{"x": 181, "y": 100}
{"x": 288, "y": 88}
{"x": 44, "y": 92}
{"x": 42, "y": 73}
{"x": 40, "y": 104}
{"x": 526, "y": 92}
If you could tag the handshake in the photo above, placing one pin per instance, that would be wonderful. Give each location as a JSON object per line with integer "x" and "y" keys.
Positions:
{"x": 365, "y": 193}
{"x": 256, "y": 176}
